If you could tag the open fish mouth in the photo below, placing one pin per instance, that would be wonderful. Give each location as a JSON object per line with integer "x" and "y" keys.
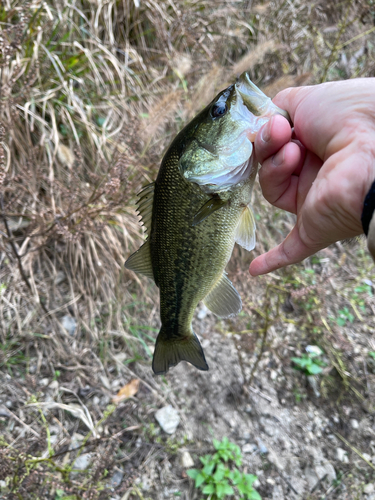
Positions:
{"x": 222, "y": 180}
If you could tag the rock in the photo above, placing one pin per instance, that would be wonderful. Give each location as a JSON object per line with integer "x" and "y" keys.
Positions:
{"x": 354, "y": 423}
{"x": 76, "y": 441}
{"x": 4, "y": 413}
{"x": 313, "y": 382}
{"x": 326, "y": 469}
{"x": 262, "y": 447}
{"x": 69, "y": 324}
{"x": 53, "y": 385}
{"x": 44, "y": 382}
{"x": 311, "y": 477}
{"x": 168, "y": 419}
{"x": 60, "y": 277}
{"x": 146, "y": 483}
{"x": 186, "y": 461}
{"x": 277, "y": 493}
{"x": 82, "y": 462}
{"x": 250, "y": 448}
{"x": 369, "y": 488}
{"x": 116, "y": 479}
{"x": 246, "y": 436}
{"x": 342, "y": 455}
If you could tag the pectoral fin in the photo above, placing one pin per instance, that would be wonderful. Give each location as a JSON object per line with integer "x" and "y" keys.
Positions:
{"x": 140, "y": 261}
{"x": 223, "y": 300}
{"x": 170, "y": 351}
{"x": 208, "y": 208}
{"x": 245, "y": 232}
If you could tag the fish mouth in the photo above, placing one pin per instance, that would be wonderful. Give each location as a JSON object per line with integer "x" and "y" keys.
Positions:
{"x": 222, "y": 180}
{"x": 255, "y": 100}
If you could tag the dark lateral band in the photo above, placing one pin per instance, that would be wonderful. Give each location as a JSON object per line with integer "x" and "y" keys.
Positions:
{"x": 368, "y": 208}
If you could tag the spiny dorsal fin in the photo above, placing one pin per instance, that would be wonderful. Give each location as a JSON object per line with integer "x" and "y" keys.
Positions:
{"x": 208, "y": 208}
{"x": 140, "y": 261}
{"x": 223, "y": 299}
{"x": 245, "y": 232}
{"x": 145, "y": 204}
{"x": 169, "y": 352}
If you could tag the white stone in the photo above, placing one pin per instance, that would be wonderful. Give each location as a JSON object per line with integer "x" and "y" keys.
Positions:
{"x": 168, "y": 419}
{"x": 69, "y": 324}
{"x": 186, "y": 460}
{"x": 342, "y": 455}
{"x": 369, "y": 488}
{"x": 54, "y": 385}
{"x": 354, "y": 423}
{"x": 82, "y": 462}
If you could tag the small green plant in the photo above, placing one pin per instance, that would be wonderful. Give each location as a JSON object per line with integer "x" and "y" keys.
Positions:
{"x": 372, "y": 354}
{"x": 310, "y": 363}
{"x": 344, "y": 316}
{"x": 218, "y": 480}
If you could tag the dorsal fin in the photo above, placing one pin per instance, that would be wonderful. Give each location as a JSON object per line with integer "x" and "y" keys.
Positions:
{"x": 145, "y": 204}
{"x": 245, "y": 232}
{"x": 223, "y": 299}
{"x": 140, "y": 261}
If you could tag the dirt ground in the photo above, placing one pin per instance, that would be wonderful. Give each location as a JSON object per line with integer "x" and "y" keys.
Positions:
{"x": 91, "y": 94}
{"x": 303, "y": 437}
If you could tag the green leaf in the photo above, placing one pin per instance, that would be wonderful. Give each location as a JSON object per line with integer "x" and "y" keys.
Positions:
{"x": 314, "y": 369}
{"x": 209, "y": 489}
{"x": 208, "y": 468}
{"x": 200, "y": 479}
{"x": 372, "y": 354}
{"x": 193, "y": 473}
{"x": 220, "y": 472}
{"x": 228, "y": 490}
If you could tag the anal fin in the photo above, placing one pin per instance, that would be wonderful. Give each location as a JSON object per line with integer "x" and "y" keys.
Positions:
{"x": 140, "y": 261}
{"x": 170, "y": 351}
{"x": 245, "y": 232}
{"x": 223, "y": 299}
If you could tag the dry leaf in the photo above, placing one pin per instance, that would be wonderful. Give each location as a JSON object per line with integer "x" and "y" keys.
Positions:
{"x": 127, "y": 391}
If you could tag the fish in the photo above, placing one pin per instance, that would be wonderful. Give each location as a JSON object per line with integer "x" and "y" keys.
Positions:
{"x": 195, "y": 211}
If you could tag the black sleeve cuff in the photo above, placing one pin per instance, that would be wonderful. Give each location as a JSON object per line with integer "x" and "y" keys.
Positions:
{"x": 368, "y": 208}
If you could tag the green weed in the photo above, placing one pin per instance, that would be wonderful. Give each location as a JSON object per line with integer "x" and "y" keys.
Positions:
{"x": 217, "y": 479}
{"x": 344, "y": 316}
{"x": 310, "y": 363}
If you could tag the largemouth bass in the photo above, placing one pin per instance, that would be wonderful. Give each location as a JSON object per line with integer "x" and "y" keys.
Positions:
{"x": 195, "y": 211}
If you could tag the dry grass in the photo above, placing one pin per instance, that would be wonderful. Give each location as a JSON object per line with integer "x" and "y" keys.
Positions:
{"x": 92, "y": 92}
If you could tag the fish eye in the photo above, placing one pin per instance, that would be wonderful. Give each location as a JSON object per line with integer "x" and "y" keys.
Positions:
{"x": 219, "y": 109}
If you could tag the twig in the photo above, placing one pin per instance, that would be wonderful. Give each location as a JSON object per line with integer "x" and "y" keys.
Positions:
{"x": 287, "y": 482}
{"x": 30, "y": 429}
{"x": 10, "y": 239}
{"x": 259, "y": 393}
{"x": 15, "y": 252}
{"x": 355, "y": 450}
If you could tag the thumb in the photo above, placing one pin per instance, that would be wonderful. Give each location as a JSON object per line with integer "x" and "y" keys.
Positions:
{"x": 292, "y": 250}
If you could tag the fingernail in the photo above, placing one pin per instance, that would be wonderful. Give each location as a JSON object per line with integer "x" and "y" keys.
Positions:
{"x": 278, "y": 158}
{"x": 266, "y": 131}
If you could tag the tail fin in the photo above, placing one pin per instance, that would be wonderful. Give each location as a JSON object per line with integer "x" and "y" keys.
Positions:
{"x": 169, "y": 352}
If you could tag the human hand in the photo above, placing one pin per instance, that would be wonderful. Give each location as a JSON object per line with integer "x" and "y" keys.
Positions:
{"x": 322, "y": 170}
